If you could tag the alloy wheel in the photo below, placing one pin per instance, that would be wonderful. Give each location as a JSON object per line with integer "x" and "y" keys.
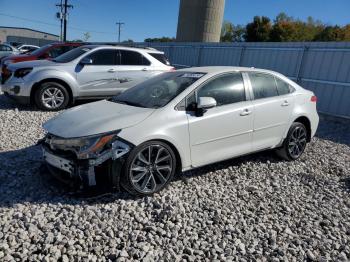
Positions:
{"x": 297, "y": 142}
{"x": 52, "y": 97}
{"x": 151, "y": 168}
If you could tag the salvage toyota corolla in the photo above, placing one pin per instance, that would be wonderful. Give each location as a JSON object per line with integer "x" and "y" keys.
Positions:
{"x": 178, "y": 121}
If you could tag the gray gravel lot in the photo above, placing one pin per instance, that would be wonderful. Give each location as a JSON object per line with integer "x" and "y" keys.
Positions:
{"x": 254, "y": 208}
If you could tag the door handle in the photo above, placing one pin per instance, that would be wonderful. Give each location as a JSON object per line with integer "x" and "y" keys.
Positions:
{"x": 144, "y": 69}
{"x": 245, "y": 112}
{"x": 112, "y": 71}
{"x": 285, "y": 103}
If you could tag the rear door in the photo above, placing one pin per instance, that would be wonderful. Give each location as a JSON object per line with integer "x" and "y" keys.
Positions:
{"x": 272, "y": 111}
{"x": 100, "y": 77}
{"x": 134, "y": 68}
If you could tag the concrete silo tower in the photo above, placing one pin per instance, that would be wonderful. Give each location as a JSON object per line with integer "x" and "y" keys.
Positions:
{"x": 200, "y": 20}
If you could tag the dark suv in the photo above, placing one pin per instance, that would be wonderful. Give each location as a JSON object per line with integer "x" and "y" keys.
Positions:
{"x": 49, "y": 51}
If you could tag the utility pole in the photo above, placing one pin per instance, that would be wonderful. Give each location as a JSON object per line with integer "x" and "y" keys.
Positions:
{"x": 119, "y": 29}
{"x": 64, "y": 15}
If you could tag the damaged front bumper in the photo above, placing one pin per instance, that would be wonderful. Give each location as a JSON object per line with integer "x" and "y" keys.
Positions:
{"x": 104, "y": 169}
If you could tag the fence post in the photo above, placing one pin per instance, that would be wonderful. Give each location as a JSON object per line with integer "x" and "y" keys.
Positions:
{"x": 171, "y": 47}
{"x": 241, "y": 55}
{"x": 301, "y": 63}
{"x": 199, "y": 55}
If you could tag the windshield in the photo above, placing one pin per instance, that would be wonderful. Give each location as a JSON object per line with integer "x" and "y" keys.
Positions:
{"x": 158, "y": 91}
{"x": 72, "y": 54}
{"x": 40, "y": 50}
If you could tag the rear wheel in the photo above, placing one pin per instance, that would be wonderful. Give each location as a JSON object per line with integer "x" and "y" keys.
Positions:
{"x": 295, "y": 142}
{"x": 51, "y": 96}
{"x": 149, "y": 168}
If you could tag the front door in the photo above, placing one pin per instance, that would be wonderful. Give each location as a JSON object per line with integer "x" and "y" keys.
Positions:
{"x": 224, "y": 131}
{"x": 100, "y": 77}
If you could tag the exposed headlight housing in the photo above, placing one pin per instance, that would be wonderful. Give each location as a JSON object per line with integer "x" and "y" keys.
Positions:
{"x": 85, "y": 147}
{"x": 22, "y": 72}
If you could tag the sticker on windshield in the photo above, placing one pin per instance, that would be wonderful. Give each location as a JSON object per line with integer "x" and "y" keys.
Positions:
{"x": 192, "y": 75}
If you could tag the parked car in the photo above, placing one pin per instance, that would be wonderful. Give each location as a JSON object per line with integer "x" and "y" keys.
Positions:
{"x": 83, "y": 73}
{"x": 49, "y": 51}
{"x": 6, "y": 50}
{"x": 24, "y": 49}
{"x": 179, "y": 121}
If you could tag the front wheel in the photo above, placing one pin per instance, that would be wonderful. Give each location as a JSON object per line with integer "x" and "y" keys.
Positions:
{"x": 295, "y": 142}
{"x": 149, "y": 168}
{"x": 51, "y": 96}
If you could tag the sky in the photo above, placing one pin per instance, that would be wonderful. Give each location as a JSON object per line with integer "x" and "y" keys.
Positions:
{"x": 153, "y": 18}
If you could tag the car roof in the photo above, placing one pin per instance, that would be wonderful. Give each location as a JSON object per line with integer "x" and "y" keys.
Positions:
{"x": 126, "y": 48}
{"x": 223, "y": 69}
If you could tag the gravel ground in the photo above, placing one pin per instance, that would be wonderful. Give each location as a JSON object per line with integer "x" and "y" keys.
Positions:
{"x": 254, "y": 208}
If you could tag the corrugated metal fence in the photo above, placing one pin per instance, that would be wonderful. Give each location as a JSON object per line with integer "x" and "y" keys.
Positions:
{"x": 323, "y": 67}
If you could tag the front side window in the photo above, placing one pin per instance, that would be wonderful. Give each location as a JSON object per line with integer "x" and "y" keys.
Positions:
{"x": 263, "y": 85}
{"x": 104, "y": 57}
{"x": 159, "y": 90}
{"x": 225, "y": 89}
{"x": 132, "y": 58}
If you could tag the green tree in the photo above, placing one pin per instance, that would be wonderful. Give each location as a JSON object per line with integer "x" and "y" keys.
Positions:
{"x": 258, "y": 30}
{"x": 86, "y": 36}
{"x": 162, "y": 39}
{"x": 331, "y": 33}
{"x": 226, "y": 32}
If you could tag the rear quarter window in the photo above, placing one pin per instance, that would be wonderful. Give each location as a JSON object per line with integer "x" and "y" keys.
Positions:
{"x": 161, "y": 58}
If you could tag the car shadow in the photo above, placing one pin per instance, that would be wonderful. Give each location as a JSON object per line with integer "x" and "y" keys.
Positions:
{"x": 24, "y": 178}
{"x": 334, "y": 129}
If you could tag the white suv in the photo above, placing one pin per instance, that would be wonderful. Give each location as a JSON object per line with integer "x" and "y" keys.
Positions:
{"x": 86, "y": 72}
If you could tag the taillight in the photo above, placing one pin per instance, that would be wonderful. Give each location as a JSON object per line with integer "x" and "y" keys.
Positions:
{"x": 313, "y": 99}
{"x": 172, "y": 69}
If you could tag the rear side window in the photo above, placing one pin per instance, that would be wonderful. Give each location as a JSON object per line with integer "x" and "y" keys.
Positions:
{"x": 132, "y": 58}
{"x": 104, "y": 57}
{"x": 161, "y": 58}
{"x": 283, "y": 88}
{"x": 226, "y": 89}
{"x": 263, "y": 85}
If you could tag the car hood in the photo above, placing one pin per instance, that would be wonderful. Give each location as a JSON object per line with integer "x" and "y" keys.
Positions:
{"x": 20, "y": 57}
{"x": 95, "y": 118}
{"x": 33, "y": 63}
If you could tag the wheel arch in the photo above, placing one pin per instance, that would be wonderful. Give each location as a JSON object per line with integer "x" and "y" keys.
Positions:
{"x": 307, "y": 123}
{"x": 51, "y": 79}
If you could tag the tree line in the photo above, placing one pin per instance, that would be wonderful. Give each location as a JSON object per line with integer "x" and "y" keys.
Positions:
{"x": 283, "y": 28}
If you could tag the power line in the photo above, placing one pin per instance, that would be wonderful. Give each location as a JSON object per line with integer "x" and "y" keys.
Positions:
{"x": 55, "y": 25}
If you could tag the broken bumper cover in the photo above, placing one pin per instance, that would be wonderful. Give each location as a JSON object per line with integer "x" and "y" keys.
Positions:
{"x": 84, "y": 173}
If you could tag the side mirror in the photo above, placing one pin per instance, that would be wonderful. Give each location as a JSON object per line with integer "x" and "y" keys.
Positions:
{"x": 206, "y": 102}
{"x": 86, "y": 61}
{"x": 203, "y": 104}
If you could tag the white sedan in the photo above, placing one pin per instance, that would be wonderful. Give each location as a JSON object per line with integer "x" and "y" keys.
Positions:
{"x": 178, "y": 121}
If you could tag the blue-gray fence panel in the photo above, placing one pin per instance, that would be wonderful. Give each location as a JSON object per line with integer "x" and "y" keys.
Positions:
{"x": 323, "y": 67}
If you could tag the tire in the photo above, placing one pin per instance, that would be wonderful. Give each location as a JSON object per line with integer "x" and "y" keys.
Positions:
{"x": 143, "y": 175}
{"x": 55, "y": 94}
{"x": 295, "y": 142}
